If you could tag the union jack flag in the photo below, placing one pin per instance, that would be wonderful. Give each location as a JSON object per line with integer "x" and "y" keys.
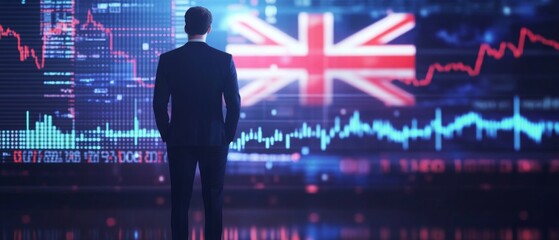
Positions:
{"x": 363, "y": 60}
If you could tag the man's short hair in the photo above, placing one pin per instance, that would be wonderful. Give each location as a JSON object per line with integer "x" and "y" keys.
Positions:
{"x": 197, "y": 20}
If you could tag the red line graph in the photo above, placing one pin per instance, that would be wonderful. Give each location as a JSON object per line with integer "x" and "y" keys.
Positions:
{"x": 484, "y": 50}
{"x": 131, "y": 60}
{"x": 25, "y": 52}
{"x": 435, "y": 68}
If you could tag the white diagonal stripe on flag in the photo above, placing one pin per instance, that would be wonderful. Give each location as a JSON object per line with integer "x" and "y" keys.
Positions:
{"x": 363, "y": 60}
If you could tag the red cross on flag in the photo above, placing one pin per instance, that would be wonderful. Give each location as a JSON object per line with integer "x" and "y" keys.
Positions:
{"x": 363, "y": 60}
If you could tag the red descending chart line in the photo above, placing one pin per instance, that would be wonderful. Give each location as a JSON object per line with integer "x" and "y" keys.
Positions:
{"x": 26, "y": 52}
{"x": 131, "y": 60}
{"x": 484, "y": 50}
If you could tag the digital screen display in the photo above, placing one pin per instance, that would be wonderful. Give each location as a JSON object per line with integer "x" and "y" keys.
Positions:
{"x": 334, "y": 93}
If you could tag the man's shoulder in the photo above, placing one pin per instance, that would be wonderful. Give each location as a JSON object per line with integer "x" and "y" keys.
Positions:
{"x": 170, "y": 53}
{"x": 219, "y": 52}
{"x": 211, "y": 50}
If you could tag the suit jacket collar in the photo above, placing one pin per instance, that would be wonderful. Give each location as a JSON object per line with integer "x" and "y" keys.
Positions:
{"x": 196, "y": 43}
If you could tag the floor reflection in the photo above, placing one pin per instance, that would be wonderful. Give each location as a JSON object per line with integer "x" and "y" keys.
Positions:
{"x": 107, "y": 224}
{"x": 284, "y": 233}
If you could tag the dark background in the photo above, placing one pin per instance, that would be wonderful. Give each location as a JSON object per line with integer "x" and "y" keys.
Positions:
{"x": 477, "y": 185}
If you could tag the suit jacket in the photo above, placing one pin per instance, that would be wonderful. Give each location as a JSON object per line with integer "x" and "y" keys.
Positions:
{"x": 197, "y": 77}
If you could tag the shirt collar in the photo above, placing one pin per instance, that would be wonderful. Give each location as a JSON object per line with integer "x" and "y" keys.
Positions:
{"x": 196, "y": 40}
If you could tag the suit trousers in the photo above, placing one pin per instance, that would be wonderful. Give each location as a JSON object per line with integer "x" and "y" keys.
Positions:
{"x": 182, "y": 167}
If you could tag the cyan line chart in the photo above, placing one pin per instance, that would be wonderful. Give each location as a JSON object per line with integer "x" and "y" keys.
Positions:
{"x": 385, "y": 130}
{"x": 45, "y": 135}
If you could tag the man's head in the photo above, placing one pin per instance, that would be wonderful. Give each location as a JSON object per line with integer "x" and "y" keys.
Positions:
{"x": 197, "y": 20}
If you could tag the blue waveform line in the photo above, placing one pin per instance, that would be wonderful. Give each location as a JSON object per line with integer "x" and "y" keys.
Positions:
{"x": 45, "y": 135}
{"x": 383, "y": 129}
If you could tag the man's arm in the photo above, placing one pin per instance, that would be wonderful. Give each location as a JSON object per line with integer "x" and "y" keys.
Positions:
{"x": 161, "y": 95}
{"x": 232, "y": 102}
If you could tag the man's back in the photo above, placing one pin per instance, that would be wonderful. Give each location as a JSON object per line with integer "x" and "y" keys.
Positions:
{"x": 196, "y": 76}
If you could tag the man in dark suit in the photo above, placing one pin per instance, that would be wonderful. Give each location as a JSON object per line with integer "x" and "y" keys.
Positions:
{"x": 197, "y": 77}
